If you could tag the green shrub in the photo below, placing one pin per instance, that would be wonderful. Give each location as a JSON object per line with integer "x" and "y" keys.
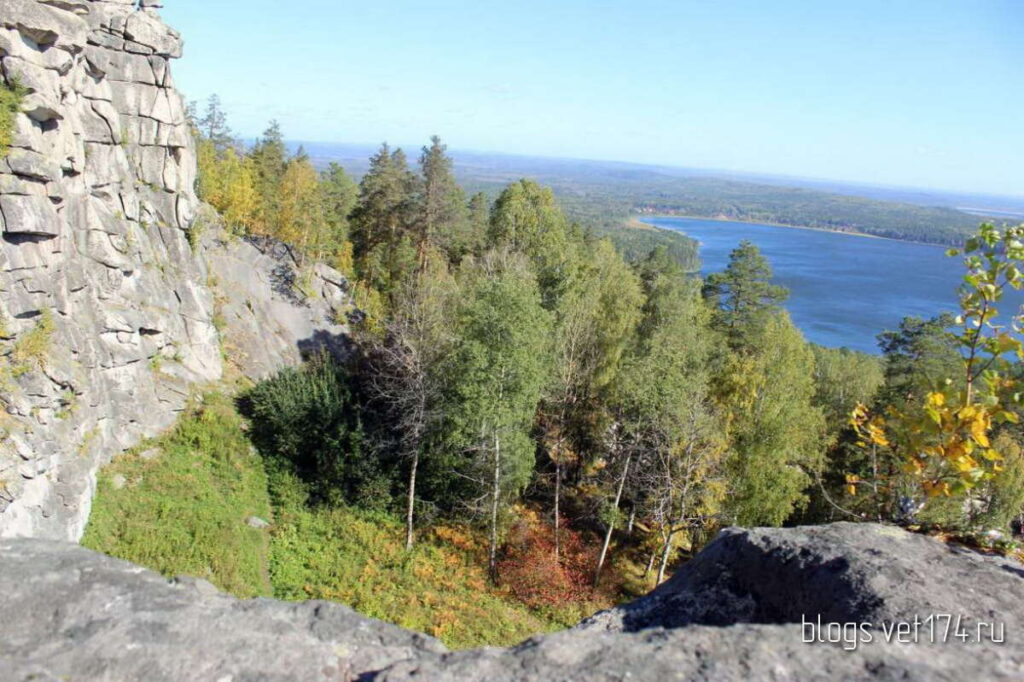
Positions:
{"x": 185, "y": 511}
{"x": 310, "y": 418}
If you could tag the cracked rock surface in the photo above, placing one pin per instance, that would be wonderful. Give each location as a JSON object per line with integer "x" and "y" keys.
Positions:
{"x": 73, "y": 613}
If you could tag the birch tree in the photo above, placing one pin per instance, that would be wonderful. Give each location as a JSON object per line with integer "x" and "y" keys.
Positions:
{"x": 499, "y": 368}
{"x": 407, "y": 368}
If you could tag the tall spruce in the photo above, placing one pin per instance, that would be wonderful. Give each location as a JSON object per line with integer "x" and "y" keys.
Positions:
{"x": 383, "y": 219}
{"x": 442, "y": 220}
{"x": 270, "y": 160}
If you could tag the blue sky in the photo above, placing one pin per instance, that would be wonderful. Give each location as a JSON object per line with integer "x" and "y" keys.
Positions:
{"x": 917, "y": 93}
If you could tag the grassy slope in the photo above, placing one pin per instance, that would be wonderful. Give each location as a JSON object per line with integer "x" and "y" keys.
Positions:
{"x": 184, "y": 512}
{"x": 358, "y": 558}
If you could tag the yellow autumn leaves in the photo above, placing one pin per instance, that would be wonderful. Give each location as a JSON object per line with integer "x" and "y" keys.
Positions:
{"x": 943, "y": 440}
{"x": 945, "y": 444}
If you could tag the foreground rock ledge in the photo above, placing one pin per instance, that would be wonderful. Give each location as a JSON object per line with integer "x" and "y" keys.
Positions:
{"x": 733, "y": 613}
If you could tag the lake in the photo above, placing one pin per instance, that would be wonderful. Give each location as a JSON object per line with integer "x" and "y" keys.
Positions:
{"x": 844, "y": 289}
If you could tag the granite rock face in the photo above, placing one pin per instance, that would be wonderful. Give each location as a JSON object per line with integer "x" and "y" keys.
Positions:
{"x": 97, "y": 272}
{"x": 268, "y": 323}
{"x": 844, "y": 572}
{"x": 72, "y": 612}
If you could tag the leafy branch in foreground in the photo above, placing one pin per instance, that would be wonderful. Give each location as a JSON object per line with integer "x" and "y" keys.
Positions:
{"x": 945, "y": 439}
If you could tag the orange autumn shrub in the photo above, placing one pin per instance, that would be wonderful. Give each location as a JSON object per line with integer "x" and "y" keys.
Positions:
{"x": 532, "y": 573}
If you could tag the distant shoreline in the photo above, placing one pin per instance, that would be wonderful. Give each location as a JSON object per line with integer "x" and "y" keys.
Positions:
{"x": 794, "y": 227}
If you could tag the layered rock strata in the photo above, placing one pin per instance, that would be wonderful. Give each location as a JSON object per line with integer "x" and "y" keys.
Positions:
{"x": 107, "y": 304}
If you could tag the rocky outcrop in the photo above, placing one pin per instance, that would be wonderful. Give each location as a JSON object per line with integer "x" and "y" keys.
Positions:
{"x": 269, "y": 318}
{"x": 844, "y": 572}
{"x": 107, "y": 309}
{"x": 71, "y": 612}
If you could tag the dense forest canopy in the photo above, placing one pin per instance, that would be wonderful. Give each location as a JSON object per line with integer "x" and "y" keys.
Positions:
{"x": 582, "y": 399}
{"x": 607, "y": 194}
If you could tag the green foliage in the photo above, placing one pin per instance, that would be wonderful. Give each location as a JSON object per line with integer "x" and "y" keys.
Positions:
{"x": 382, "y": 221}
{"x": 269, "y": 158}
{"x": 340, "y": 193}
{"x": 358, "y": 558}
{"x": 498, "y": 370}
{"x": 605, "y": 196}
{"x": 778, "y": 435}
{"x": 526, "y": 218}
{"x": 213, "y": 126}
{"x": 443, "y": 217}
{"x": 843, "y": 378}
{"x": 673, "y": 432}
{"x": 184, "y": 511}
{"x": 918, "y": 357}
{"x": 945, "y": 440}
{"x": 307, "y": 420}
{"x": 636, "y": 241}
{"x": 743, "y": 294}
{"x": 31, "y": 349}
{"x": 11, "y": 95}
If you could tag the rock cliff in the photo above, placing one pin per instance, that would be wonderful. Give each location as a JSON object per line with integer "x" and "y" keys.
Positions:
{"x": 734, "y": 615}
{"x": 108, "y": 297}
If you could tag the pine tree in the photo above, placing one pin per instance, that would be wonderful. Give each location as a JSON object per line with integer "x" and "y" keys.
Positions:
{"x": 743, "y": 293}
{"x": 383, "y": 219}
{"x": 213, "y": 126}
{"x": 270, "y": 158}
{"x": 478, "y": 222}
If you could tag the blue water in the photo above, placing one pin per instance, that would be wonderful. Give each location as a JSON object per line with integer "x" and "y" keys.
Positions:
{"x": 844, "y": 289}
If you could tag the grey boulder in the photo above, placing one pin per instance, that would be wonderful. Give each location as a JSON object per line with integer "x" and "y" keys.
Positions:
{"x": 733, "y": 613}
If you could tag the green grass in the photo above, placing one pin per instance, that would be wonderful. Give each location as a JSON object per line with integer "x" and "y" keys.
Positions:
{"x": 31, "y": 348}
{"x": 184, "y": 512}
{"x": 11, "y": 95}
{"x": 358, "y": 557}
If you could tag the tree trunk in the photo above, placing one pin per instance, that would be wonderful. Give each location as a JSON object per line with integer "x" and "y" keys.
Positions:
{"x": 492, "y": 562}
{"x": 650, "y": 562}
{"x": 632, "y": 519}
{"x": 664, "y": 555}
{"x": 558, "y": 496}
{"x": 611, "y": 525}
{"x": 411, "y": 504}
{"x": 668, "y": 539}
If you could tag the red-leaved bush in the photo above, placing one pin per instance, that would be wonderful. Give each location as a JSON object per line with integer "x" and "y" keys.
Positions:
{"x": 531, "y": 572}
